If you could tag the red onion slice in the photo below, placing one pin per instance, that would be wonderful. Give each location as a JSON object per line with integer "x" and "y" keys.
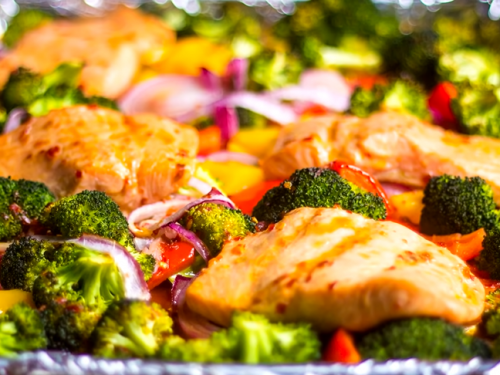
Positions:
{"x": 226, "y": 119}
{"x": 237, "y": 71}
{"x": 224, "y": 156}
{"x": 200, "y": 185}
{"x": 192, "y": 324}
{"x": 150, "y": 210}
{"x": 183, "y": 98}
{"x": 392, "y": 189}
{"x": 133, "y": 277}
{"x": 210, "y": 81}
{"x": 215, "y": 196}
{"x": 320, "y": 95}
{"x": 15, "y": 119}
{"x": 268, "y": 107}
{"x": 192, "y": 238}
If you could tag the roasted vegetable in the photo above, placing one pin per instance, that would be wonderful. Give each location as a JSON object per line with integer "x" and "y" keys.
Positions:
{"x": 22, "y": 22}
{"x": 422, "y": 338}
{"x": 317, "y": 187}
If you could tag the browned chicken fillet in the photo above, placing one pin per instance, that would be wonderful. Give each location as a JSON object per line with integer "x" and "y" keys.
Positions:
{"x": 392, "y": 147}
{"x": 334, "y": 268}
{"x": 135, "y": 159}
{"x": 113, "y": 49}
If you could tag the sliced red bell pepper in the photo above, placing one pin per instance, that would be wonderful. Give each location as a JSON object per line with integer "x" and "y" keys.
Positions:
{"x": 465, "y": 247}
{"x": 362, "y": 179}
{"x": 247, "y": 199}
{"x": 175, "y": 256}
{"x": 210, "y": 140}
{"x": 341, "y": 348}
{"x": 439, "y": 103}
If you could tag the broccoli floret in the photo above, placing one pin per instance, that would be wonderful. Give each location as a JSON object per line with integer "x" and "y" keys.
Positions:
{"x": 215, "y": 224}
{"x": 40, "y": 94}
{"x": 457, "y": 205}
{"x": 87, "y": 276}
{"x": 422, "y": 338}
{"x": 317, "y": 187}
{"x": 131, "y": 329}
{"x": 400, "y": 96}
{"x": 23, "y": 261}
{"x": 489, "y": 258}
{"x": 93, "y": 212}
{"x": 477, "y": 109}
{"x": 272, "y": 70}
{"x": 21, "y": 202}
{"x": 22, "y": 22}
{"x": 470, "y": 65}
{"x": 24, "y": 86}
{"x": 250, "y": 339}
{"x": 21, "y": 330}
{"x": 69, "y": 324}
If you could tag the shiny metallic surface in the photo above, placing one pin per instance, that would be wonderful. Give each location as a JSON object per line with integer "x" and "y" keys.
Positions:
{"x": 54, "y": 363}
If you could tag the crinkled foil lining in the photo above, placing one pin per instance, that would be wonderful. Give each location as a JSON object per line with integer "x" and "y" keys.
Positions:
{"x": 55, "y": 363}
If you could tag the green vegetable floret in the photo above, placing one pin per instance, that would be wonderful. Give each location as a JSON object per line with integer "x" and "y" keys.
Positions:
{"x": 23, "y": 261}
{"x": 250, "y": 339}
{"x": 317, "y": 187}
{"x": 477, "y": 109}
{"x": 93, "y": 212}
{"x": 401, "y": 96}
{"x": 489, "y": 258}
{"x": 457, "y": 205}
{"x": 22, "y": 22}
{"x": 21, "y": 202}
{"x": 421, "y": 338}
{"x": 74, "y": 294}
{"x": 39, "y": 94}
{"x": 21, "y": 330}
{"x": 215, "y": 224}
{"x": 131, "y": 329}
{"x": 490, "y": 321}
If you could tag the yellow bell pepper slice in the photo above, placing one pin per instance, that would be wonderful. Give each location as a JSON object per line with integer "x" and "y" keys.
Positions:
{"x": 9, "y": 298}
{"x": 233, "y": 176}
{"x": 257, "y": 142}
{"x": 409, "y": 205}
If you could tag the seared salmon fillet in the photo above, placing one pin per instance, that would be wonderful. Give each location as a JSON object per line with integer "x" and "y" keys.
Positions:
{"x": 113, "y": 49}
{"x": 334, "y": 268}
{"x": 134, "y": 159}
{"x": 392, "y": 147}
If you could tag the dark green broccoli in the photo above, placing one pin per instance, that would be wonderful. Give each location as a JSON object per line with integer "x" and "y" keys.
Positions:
{"x": 250, "y": 339}
{"x": 489, "y": 258}
{"x": 22, "y": 22}
{"x": 23, "y": 261}
{"x": 250, "y": 119}
{"x": 457, "y": 205}
{"x": 93, "y": 212}
{"x": 477, "y": 109}
{"x": 131, "y": 329}
{"x": 74, "y": 292}
{"x": 24, "y": 86}
{"x": 317, "y": 187}
{"x": 69, "y": 324}
{"x": 21, "y": 202}
{"x": 87, "y": 276}
{"x": 40, "y": 94}
{"x": 215, "y": 224}
{"x": 272, "y": 70}
{"x": 421, "y": 338}
{"x": 400, "y": 95}
{"x": 21, "y": 330}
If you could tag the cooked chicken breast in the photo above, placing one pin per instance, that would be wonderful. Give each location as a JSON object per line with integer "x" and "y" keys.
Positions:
{"x": 335, "y": 269}
{"x": 134, "y": 159}
{"x": 392, "y": 147}
{"x": 112, "y": 48}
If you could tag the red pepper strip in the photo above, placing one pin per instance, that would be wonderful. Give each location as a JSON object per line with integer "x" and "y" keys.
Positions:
{"x": 247, "y": 199}
{"x": 439, "y": 103}
{"x": 362, "y": 179}
{"x": 466, "y": 247}
{"x": 341, "y": 348}
{"x": 176, "y": 256}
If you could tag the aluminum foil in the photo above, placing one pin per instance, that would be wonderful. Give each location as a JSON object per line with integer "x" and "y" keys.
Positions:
{"x": 54, "y": 363}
